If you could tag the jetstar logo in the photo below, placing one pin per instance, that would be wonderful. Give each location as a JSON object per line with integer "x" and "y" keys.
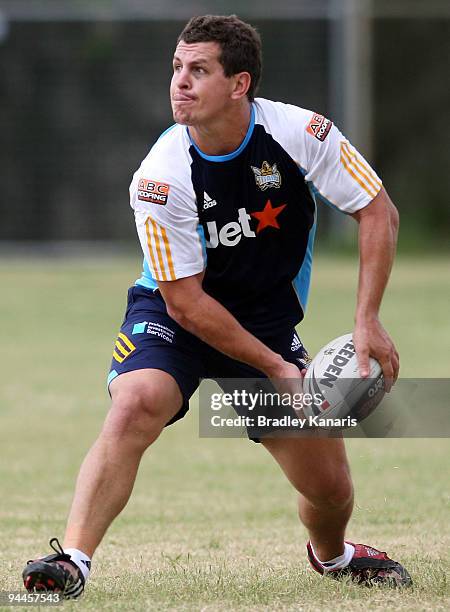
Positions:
{"x": 267, "y": 176}
{"x": 231, "y": 233}
{"x": 268, "y": 217}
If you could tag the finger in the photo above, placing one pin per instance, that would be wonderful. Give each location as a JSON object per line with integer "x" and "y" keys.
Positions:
{"x": 388, "y": 373}
{"x": 396, "y": 365}
{"x": 363, "y": 362}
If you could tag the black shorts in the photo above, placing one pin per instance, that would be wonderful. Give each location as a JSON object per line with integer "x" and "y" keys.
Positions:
{"x": 149, "y": 338}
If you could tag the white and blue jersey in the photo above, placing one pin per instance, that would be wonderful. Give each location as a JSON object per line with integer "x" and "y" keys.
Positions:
{"x": 247, "y": 219}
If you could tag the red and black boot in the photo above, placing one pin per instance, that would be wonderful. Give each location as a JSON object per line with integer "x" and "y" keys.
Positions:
{"x": 368, "y": 567}
{"x": 55, "y": 573}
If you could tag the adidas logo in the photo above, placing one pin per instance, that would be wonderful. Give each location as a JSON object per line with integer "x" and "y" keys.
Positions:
{"x": 296, "y": 343}
{"x": 207, "y": 201}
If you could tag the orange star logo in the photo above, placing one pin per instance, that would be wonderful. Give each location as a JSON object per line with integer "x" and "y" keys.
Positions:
{"x": 268, "y": 216}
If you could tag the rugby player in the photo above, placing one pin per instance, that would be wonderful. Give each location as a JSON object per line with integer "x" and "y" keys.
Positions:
{"x": 225, "y": 211}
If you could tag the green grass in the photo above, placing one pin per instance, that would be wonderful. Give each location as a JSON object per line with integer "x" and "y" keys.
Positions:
{"x": 212, "y": 523}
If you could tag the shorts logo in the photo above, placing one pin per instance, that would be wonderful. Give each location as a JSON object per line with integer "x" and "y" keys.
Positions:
{"x": 296, "y": 343}
{"x": 161, "y": 331}
{"x": 267, "y": 176}
{"x": 319, "y": 126}
{"x": 139, "y": 328}
{"x": 152, "y": 191}
{"x": 123, "y": 348}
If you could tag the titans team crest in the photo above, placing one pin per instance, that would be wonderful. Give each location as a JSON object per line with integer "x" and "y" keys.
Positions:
{"x": 267, "y": 176}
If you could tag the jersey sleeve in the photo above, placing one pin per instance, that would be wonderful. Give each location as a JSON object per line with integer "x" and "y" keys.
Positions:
{"x": 338, "y": 172}
{"x": 334, "y": 168}
{"x": 166, "y": 220}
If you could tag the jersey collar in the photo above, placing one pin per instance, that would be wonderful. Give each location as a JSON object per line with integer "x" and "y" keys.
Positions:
{"x": 236, "y": 152}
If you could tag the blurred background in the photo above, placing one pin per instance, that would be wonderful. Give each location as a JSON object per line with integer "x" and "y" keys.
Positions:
{"x": 84, "y": 94}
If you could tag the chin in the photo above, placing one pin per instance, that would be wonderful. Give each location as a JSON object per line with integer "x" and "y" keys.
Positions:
{"x": 182, "y": 118}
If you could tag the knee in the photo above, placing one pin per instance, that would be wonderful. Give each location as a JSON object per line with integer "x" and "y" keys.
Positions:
{"x": 134, "y": 416}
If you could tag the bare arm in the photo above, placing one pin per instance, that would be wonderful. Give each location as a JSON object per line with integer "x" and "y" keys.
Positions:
{"x": 205, "y": 317}
{"x": 378, "y": 228}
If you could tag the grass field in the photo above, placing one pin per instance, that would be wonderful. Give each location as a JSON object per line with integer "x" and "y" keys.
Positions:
{"x": 212, "y": 523}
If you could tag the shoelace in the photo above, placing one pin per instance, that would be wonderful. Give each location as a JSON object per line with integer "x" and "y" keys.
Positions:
{"x": 58, "y": 548}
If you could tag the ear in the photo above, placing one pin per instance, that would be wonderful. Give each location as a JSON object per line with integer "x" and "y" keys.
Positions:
{"x": 242, "y": 81}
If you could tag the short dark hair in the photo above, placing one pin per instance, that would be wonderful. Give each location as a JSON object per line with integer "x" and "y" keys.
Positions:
{"x": 240, "y": 44}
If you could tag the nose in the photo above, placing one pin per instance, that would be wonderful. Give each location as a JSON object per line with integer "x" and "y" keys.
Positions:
{"x": 182, "y": 79}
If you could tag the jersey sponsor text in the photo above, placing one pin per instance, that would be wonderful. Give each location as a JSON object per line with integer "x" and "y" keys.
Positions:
{"x": 319, "y": 126}
{"x": 152, "y": 191}
{"x": 231, "y": 233}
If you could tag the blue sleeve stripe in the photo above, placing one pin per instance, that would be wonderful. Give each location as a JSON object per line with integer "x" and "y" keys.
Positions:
{"x": 146, "y": 280}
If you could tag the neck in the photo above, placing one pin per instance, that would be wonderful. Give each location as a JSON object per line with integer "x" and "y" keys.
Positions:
{"x": 224, "y": 135}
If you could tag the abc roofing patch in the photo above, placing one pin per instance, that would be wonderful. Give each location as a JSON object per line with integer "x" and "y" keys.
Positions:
{"x": 152, "y": 191}
{"x": 319, "y": 126}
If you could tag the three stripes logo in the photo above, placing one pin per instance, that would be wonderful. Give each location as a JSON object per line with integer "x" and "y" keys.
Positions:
{"x": 208, "y": 202}
{"x": 123, "y": 348}
{"x": 359, "y": 169}
{"x": 296, "y": 343}
{"x": 159, "y": 251}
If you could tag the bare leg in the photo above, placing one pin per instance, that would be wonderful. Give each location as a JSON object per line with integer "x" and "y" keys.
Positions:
{"x": 319, "y": 470}
{"x": 142, "y": 403}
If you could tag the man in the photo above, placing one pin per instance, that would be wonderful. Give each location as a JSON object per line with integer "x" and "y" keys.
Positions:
{"x": 225, "y": 215}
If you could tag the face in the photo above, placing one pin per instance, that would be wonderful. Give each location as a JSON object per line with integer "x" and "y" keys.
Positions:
{"x": 199, "y": 92}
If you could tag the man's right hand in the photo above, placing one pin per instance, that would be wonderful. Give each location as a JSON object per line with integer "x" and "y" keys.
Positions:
{"x": 288, "y": 378}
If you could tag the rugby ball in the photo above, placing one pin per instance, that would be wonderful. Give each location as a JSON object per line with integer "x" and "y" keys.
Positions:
{"x": 336, "y": 389}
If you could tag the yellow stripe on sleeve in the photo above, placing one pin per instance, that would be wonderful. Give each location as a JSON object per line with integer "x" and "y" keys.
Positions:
{"x": 356, "y": 173}
{"x": 168, "y": 254}
{"x": 158, "y": 249}
{"x": 357, "y": 179}
{"x": 150, "y": 248}
{"x": 162, "y": 248}
{"x": 361, "y": 166}
{"x": 368, "y": 170}
{"x": 359, "y": 171}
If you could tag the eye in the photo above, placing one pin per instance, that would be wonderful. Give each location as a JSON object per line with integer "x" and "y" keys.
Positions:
{"x": 176, "y": 67}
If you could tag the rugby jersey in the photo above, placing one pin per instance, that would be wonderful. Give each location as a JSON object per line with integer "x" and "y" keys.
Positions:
{"x": 247, "y": 219}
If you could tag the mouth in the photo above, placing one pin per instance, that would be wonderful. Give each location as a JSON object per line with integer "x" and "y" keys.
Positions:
{"x": 178, "y": 97}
